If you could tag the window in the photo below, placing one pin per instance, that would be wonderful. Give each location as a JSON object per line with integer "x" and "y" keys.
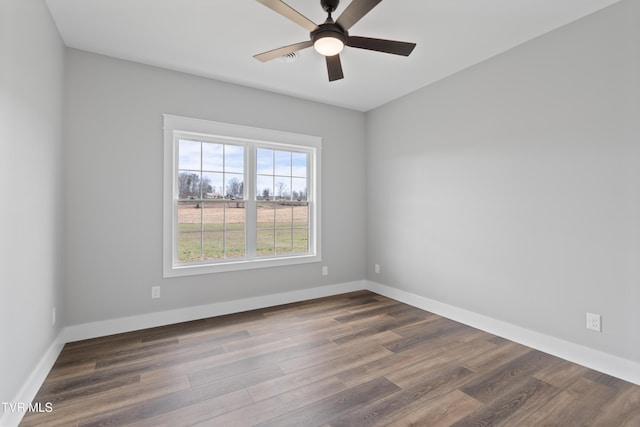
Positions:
{"x": 237, "y": 197}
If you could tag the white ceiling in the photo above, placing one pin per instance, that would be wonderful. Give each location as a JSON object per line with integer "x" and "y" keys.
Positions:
{"x": 218, "y": 38}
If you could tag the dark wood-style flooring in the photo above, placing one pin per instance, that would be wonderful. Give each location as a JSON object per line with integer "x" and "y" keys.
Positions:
{"x": 357, "y": 359}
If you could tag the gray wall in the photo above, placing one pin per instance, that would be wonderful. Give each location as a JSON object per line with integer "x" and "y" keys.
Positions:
{"x": 31, "y": 94}
{"x": 113, "y": 252}
{"x": 512, "y": 189}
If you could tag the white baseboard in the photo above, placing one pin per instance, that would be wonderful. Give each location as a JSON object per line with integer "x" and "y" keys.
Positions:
{"x": 161, "y": 318}
{"x": 603, "y": 362}
{"x": 34, "y": 382}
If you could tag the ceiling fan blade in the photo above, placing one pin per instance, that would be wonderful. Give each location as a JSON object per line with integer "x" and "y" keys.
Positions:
{"x": 355, "y": 11}
{"x": 290, "y": 13}
{"x": 381, "y": 45}
{"x": 334, "y": 67}
{"x": 277, "y": 53}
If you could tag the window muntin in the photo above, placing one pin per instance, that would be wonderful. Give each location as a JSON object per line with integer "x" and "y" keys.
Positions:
{"x": 240, "y": 197}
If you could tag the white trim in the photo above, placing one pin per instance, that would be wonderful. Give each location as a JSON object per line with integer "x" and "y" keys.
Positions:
{"x": 239, "y": 132}
{"x": 34, "y": 382}
{"x": 625, "y": 369}
{"x": 161, "y": 318}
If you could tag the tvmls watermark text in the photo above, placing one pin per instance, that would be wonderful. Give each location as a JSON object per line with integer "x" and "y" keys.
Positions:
{"x": 27, "y": 407}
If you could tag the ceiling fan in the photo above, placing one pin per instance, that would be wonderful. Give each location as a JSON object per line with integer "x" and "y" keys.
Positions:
{"x": 329, "y": 38}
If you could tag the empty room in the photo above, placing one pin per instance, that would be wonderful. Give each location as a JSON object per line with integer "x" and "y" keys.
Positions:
{"x": 320, "y": 213}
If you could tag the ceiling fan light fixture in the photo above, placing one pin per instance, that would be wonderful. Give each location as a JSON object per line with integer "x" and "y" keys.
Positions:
{"x": 328, "y": 45}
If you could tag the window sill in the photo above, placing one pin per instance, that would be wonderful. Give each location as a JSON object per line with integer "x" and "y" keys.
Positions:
{"x": 195, "y": 269}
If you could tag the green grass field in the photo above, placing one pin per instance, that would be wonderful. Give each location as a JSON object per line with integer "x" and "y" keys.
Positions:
{"x": 214, "y": 242}
{"x": 216, "y": 230}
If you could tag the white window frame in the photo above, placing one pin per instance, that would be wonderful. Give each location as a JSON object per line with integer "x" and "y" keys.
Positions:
{"x": 251, "y": 137}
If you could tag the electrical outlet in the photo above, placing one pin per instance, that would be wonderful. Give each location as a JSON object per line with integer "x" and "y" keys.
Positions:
{"x": 155, "y": 292}
{"x": 594, "y": 322}
{"x": 53, "y": 316}
{"x": 376, "y": 268}
{"x": 325, "y": 270}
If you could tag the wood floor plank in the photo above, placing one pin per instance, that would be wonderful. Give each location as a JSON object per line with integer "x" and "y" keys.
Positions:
{"x": 247, "y": 364}
{"x": 385, "y": 323}
{"x": 561, "y": 375}
{"x": 575, "y": 405}
{"x": 326, "y": 410}
{"x": 494, "y": 358}
{"x": 424, "y": 335}
{"x": 432, "y": 357}
{"x": 201, "y": 411}
{"x": 379, "y": 410}
{"x": 342, "y": 357}
{"x": 90, "y": 405}
{"x": 317, "y": 372}
{"x": 501, "y": 380}
{"x": 439, "y": 412}
{"x": 624, "y": 407}
{"x": 369, "y": 312}
{"x": 498, "y": 411}
{"x": 352, "y": 359}
{"x": 185, "y": 398}
{"x": 416, "y": 365}
{"x": 279, "y": 404}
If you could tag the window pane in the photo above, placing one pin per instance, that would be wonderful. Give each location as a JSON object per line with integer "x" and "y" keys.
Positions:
{"x": 283, "y": 163}
{"x": 265, "y": 218}
{"x": 264, "y": 187}
{"x": 224, "y": 230}
{"x": 283, "y": 188}
{"x": 284, "y": 241}
{"x": 189, "y": 231}
{"x": 213, "y": 244}
{"x": 235, "y": 230}
{"x": 188, "y": 155}
{"x": 213, "y": 231}
{"x": 264, "y": 242}
{"x": 212, "y": 157}
{"x": 300, "y": 240}
{"x": 299, "y": 162}
{"x": 264, "y": 161}
{"x": 301, "y": 215}
{"x": 234, "y": 158}
{"x": 284, "y": 216}
{"x": 212, "y": 185}
{"x": 299, "y": 188}
{"x": 234, "y": 185}
{"x": 235, "y": 244}
{"x": 265, "y": 215}
{"x": 188, "y": 185}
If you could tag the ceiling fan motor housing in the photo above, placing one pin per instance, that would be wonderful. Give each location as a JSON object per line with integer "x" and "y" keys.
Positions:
{"x": 329, "y": 6}
{"x": 329, "y": 29}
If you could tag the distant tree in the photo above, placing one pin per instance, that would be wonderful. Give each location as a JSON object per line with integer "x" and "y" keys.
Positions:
{"x": 188, "y": 185}
{"x": 281, "y": 189}
{"x": 300, "y": 195}
{"x": 266, "y": 193}
{"x": 207, "y": 188}
{"x": 235, "y": 188}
